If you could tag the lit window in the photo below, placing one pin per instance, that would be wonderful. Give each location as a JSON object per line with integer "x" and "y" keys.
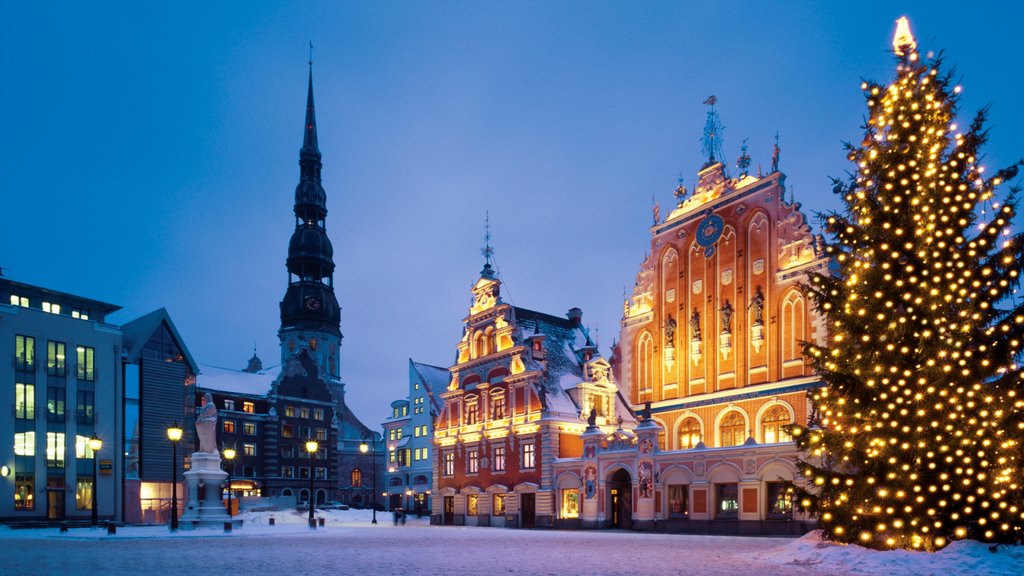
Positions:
{"x": 83, "y": 493}
{"x": 304, "y": 412}
{"x": 498, "y": 504}
{"x": 571, "y": 503}
{"x": 229, "y": 426}
{"x": 732, "y": 429}
{"x": 449, "y": 464}
{"x": 318, "y": 413}
{"x": 529, "y": 455}
{"x": 498, "y": 406}
{"x": 780, "y": 502}
{"x": 391, "y": 434}
{"x": 405, "y": 410}
{"x": 727, "y": 500}
{"x": 773, "y": 425}
{"x": 321, "y": 433}
{"x": 80, "y": 314}
{"x": 19, "y": 301}
{"x": 689, "y": 434}
{"x": 472, "y": 411}
{"x": 25, "y": 401}
{"x": 357, "y": 478}
{"x": 24, "y": 492}
{"x": 51, "y": 308}
{"x": 248, "y": 407}
{"x": 472, "y": 506}
{"x": 24, "y": 353}
{"x": 499, "y": 459}
{"x": 249, "y": 428}
{"x": 86, "y": 364}
{"x": 289, "y": 411}
{"x": 24, "y": 443}
{"x": 82, "y": 448}
{"x": 677, "y": 497}
{"x": 249, "y": 449}
{"x": 416, "y": 432}
{"x": 56, "y": 358}
{"x": 472, "y": 462}
{"x": 287, "y": 431}
{"x": 55, "y": 449}
{"x": 398, "y": 434}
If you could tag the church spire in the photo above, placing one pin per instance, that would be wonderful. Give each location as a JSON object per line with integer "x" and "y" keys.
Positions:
{"x": 309, "y": 142}
{"x": 487, "y": 251}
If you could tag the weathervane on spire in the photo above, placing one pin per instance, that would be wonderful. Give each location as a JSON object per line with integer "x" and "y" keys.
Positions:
{"x": 903, "y": 41}
{"x": 711, "y": 141}
{"x": 487, "y": 251}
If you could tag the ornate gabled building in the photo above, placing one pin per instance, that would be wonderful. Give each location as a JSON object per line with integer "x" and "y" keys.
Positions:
{"x": 711, "y": 345}
{"x": 520, "y": 392}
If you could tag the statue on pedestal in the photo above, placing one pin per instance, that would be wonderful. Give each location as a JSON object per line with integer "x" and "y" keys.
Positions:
{"x": 206, "y": 425}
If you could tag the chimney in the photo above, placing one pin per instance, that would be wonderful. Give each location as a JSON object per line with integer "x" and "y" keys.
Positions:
{"x": 575, "y": 315}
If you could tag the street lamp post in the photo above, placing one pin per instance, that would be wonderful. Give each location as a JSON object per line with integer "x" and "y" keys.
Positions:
{"x": 373, "y": 468}
{"x": 311, "y": 447}
{"x": 408, "y": 499}
{"x": 174, "y": 435}
{"x": 229, "y": 455}
{"x": 95, "y": 444}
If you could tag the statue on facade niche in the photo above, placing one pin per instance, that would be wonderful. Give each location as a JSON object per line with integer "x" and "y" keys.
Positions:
{"x": 775, "y": 155}
{"x": 726, "y": 316}
{"x": 757, "y": 303}
{"x": 206, "y": 425}
{"x": 646, "y": 412}
{"x": 695, "y": 324}
{"x": 592, "y": 419}
{"x": 670, "y": 332}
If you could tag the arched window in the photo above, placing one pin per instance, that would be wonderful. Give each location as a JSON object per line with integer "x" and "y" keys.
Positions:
{"x": 479, "y": 345}
{"x": 472, "y": 410}
{"x": 357, "y": 478}
{"x": 732, "y": 429}
{"x": 772, "y": 425}
{"x": 689, "y": 434}
{"x": 792, "y": 326}
{"x": 645, "y": 366}
{"x": 491, "y": 341}
{"x": 395, "y": 481}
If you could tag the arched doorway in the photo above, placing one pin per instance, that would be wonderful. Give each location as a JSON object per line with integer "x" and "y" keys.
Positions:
{"x": 620, "y": 500}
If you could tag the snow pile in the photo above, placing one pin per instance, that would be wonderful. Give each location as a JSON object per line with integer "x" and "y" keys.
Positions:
{"x": 964, "y": 556}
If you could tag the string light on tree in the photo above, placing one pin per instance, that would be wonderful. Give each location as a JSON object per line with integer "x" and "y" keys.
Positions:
{"x": 922, "y": 422}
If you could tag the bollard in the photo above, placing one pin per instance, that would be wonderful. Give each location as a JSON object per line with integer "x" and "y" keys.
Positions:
{"x": 271, "y": 521}
{"x": 111, "y": 528}
{"x": 312, "y": 523}
{"x": 227, "y": 526}
{"x": 320, "y": 520}
{"x": 63, "y": 527}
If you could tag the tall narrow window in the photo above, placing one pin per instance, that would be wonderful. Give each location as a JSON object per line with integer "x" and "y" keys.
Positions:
{"x": 55, "y": 399}
{"x": 472, "y": 462}
{"x": 449, "y": 464}
{"x": 728, "y": 502}
{"x": 24, "y": 353}
{"x": 24, "y": 492}
{"x": 25, "y": 401}
{"x": 645, "y": 366}
{"x": 529, "y": 456}
{"x": 55, "y": 449}
{"x": 85, "y": 407}
{"x": 498, "y": 406}
{"x": 56, "y": 358}
{"x": 499, "y": 459}
{"x": 472, "y": 410}
{"x": 677, "y": 496}
{"x": 83, "y": 493}
{"x": 249, "y": 449}
{"x": 357, "y": 478}
{"x": 498, "y": 504}
{"x": 86, "y": 363}
{"x": 472, "y": 504}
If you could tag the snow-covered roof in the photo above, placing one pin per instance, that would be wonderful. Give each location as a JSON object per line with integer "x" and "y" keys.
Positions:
{"x": 236, "y": 381}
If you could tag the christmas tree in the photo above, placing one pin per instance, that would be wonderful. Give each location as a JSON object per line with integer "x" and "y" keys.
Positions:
{"x": 916, "y": 438}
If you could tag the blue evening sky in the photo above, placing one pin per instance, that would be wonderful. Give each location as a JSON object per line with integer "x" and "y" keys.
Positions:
{"x": 149, "y": 149}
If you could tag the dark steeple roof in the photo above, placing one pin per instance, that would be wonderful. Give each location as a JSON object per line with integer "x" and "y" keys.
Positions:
{"x": 309, "y": 142}
{"x": 310, "y": 303}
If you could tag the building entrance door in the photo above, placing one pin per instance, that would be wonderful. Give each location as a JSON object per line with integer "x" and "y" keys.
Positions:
{"x": 55, "y": 504}
{"x": 528, "y": 509}
{"x": 449, "y": 510}
{"x": 621, "y": 500}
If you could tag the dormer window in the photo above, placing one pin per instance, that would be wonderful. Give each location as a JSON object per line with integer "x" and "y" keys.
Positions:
{"x": 537, "y": 346}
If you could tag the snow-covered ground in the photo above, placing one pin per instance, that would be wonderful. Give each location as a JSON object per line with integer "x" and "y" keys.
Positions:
{"x": 349, "y": 544}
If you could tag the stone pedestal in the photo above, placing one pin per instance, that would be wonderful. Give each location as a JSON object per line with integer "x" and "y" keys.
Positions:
{"x": 204, "y": 507}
